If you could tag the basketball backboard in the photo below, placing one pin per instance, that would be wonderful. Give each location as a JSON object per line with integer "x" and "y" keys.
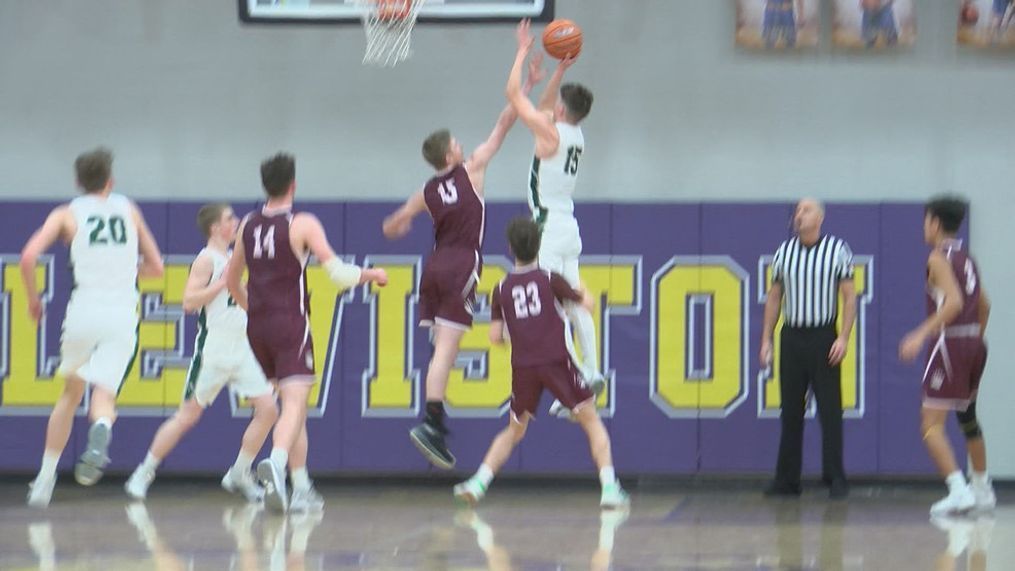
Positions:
{"x": 433, "y": 10}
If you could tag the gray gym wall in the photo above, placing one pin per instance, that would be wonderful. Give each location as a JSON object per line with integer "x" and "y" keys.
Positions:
{"x": 191, "y": 101}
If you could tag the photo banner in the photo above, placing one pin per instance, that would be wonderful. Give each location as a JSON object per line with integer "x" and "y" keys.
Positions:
{"x": 873, "y": 24}
{"x": 778, "y": 24}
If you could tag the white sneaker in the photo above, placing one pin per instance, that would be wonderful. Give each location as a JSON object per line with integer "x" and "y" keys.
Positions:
{"x": 137, "y": 484}
{"x": 307, "y": 500}
{"x": 959, "y": 500}
{"x": 243, "y": 483}
{"x": 471, "y": 491}
{"x": 272, "y": 479}
{"x": 95, "y": 458}
{"x": 984, "y": 494}
{"x": 614, "y": 497}
{"x": 41, "y": 492}
{"x": 558, "y": 410}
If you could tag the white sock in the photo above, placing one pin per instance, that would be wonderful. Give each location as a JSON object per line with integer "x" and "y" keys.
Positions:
{"x": 49, "y": 463}
{"x": 607, "y": 476}
{"x": 585, "y": 328}
{"x": 243, "y": 462}
{"x": 484, "y": 475}
{"x": 300, "y": 478}
{"x": 279, "y": 457}
{"x": 150, "y": 463}
{"x": 955, "y": 480}
{"x": 979, "y": 479}
{"x": 105, "y": 422}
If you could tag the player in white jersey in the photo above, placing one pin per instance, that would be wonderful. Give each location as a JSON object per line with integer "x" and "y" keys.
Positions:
{"x": 552, "y": 180}
{"x": 222, "y": 356}
{"x": 106, "y": 233}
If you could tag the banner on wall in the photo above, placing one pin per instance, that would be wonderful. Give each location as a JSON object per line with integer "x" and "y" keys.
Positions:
{"x": 986, "y": 23}
{"x": 778, "y": 24}
{"x": 678, "y": 321}
{"x": 873, "y": 24}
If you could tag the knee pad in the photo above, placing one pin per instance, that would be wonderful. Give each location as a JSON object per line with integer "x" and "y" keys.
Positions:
{"x": 970, "y": 426}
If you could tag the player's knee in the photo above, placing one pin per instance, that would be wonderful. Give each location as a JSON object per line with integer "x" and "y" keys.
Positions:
{"x": 74, "y": 388}
{"x": 970, "y": 425}
{"x": 265, "y": 409}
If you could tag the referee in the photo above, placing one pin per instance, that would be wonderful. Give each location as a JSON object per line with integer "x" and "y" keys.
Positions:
{"x": 808, "y": 272}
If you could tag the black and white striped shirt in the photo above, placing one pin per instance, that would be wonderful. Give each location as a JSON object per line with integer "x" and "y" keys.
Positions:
{"x": 810, "y": 279}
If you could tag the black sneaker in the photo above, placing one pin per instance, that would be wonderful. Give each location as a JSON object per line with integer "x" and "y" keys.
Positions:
{"x": 430, "y": 442}
{"x": 778, "y": 489}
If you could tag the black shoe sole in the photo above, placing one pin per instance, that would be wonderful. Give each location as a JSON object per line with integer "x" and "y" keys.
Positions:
{"x": 434, "y": 458}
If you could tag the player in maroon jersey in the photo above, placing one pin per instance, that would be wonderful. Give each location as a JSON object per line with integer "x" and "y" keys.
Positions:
{"x": 447, "y": 290}
{"x": 529, "y": 302}
{"x": 957, "y": 309}
{"x": 276, "y": 244}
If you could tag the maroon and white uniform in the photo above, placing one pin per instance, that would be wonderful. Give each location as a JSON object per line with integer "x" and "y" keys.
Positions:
{"x": 957, "y": 358}
{"x": 278, "y": 314}
{"x": 447, "y": 290}
{"x": 530, "y": 303}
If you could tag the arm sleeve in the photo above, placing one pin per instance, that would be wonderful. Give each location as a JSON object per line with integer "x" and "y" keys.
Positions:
{"x": 563, "y": 290}
{"x": 496, "y": 312}
{"x": 844, "y": 262}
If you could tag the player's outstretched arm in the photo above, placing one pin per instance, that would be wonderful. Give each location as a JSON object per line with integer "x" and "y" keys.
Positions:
{"x": 58, "y": 224}
{"x": 200, "y": 290}
{"x": 552, "y": 92}
{"x": 942, "y": 278}
{"x": 310, "y": 235}
{"x": 234, "y": 271}
{"x": 476, "y": 164}
{"x": 398, "y": 223}
{"x": 151, "y": 257}
{"x": 539, "y": 122}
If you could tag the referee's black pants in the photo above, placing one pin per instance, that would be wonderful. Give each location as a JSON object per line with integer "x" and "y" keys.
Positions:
{"x": 804, "y": 363}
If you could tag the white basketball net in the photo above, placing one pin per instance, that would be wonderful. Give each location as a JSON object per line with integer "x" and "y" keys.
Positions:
{"x": 388, "y": 31}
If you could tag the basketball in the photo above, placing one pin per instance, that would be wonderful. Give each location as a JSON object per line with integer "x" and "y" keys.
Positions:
{"x": 562, "y": 38}
{"x": 393, "y": 9}
{"x": 970, "y": 14}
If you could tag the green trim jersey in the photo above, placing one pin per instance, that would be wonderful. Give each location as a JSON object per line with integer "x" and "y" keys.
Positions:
{"x": 552, "y": 180}
{"x": 104, "y": 251}
{"x": 222, "y": 316}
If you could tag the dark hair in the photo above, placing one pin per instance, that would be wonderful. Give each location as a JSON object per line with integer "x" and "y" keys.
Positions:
{"x": 577, "y": 100}
{"x": 93, "y": 169}
{"x": 950, "y": 210}
{"x": 524, "y": 236}
{"x": 209, "y": 215}
{"x": 277, "y": 174}
{"x": 435, "y": 148}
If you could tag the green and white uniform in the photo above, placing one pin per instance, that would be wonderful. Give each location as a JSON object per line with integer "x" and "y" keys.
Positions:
{"x": 99, "y": 340}
{"x": 222, "y": 354}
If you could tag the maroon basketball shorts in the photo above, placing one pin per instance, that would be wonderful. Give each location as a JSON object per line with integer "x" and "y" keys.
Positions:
{"x": 447, "y": 290}
{"x": 954, "y": 367}
{"x": 561, "y": 379}
{"x": 283, "y": 346}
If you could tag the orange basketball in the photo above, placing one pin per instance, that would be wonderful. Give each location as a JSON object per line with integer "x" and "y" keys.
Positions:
{"x": 561, "y": 38}
{"x": 393, "y": 9}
